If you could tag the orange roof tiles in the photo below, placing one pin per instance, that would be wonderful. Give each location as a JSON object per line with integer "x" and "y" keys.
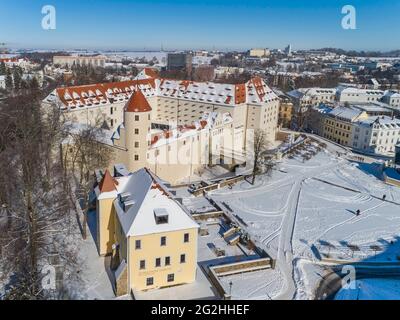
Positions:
{"x": 138, "y": 103}
{"x": 151, "y": 72}
{"x": 111, "y": 89}
{"x": 108, "y": 184}
{"x": 240, "y": 93}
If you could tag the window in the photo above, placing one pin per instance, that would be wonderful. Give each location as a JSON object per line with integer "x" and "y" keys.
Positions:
{"x": 136, "y": 131}
{"x": 158, "y": 262}
{"x": 167, "y": 261}
{"x": 136, "y": 144}
{"x": 183, "y": 258}
{"x": 163, "y": 241}
{"x": 136, "y": 118}
{"x": 138, "y": 245}
{"x": 186, "y": 238}
{"x": 150, "y": 281}
{"x": 171, "y": 277}
{"x": 136, "y": 157}
{"x": 142, "y": 264}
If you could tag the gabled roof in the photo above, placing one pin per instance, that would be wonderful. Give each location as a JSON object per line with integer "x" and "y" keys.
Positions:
{"x": 108, "y": 184}
{"x": 146, "y": 195}
{"x": 138, "y": 103}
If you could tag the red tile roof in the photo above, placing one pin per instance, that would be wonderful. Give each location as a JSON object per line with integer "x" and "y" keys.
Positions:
{"x": 138, "y": 103}
{"x": 114, "y": 87}
{"x": 152, "y": 73}
{"x": 108, "y": 184}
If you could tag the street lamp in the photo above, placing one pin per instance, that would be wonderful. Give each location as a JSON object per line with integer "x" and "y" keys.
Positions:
{"x": 230, "y": 288}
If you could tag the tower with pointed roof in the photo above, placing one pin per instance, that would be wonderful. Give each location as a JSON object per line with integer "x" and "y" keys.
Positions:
{"x": 137, "y": 115}
{"x": 106, "y": 192}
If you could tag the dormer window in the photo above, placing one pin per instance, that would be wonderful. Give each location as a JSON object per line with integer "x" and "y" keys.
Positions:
{"x": 161, "y": 216}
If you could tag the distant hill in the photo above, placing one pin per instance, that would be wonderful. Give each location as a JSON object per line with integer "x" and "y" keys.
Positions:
{"x": 354, "y": 53}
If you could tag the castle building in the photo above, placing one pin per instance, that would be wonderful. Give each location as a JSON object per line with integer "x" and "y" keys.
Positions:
{"x": 152, "y": 240}
{"x": 153, "y": 119}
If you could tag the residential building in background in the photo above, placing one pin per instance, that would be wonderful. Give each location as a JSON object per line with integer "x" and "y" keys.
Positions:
{"x": 259, "y": 52}
{"x": 376, "y": 135}
{"x": 69, "y": 61}
{"x": 357, "y": 95}
{"x": 179, "y": 62}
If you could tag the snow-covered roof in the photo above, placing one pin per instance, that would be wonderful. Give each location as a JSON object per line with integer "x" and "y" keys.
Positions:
{"x": 310, "y": 92}
{"x": 346, "y": 113}
{"x": 353, "y": 90}
{"x": 206, "y": 122}
{"x": 255, "y": 91}
{"x": 140, "y": 196}
{"x": 383, "y": 122}
{"x": 392, "y": 94}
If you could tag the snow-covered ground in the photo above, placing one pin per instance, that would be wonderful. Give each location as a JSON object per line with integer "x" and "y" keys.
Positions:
{"x": 258, "y": 285}
{"x": 307, "y": 210}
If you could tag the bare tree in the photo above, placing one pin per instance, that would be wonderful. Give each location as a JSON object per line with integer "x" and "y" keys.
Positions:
{"x": 32, "y": 197}
{"x": 260, "y": 145}
{"x": 85, "y": 153}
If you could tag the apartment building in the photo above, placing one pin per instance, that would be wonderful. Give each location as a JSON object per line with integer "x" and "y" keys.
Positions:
{"x": 69, "y": 61}
{"x": 338, "y": 124}
{"x": 152, "y": 240}
{"x": 305, "y": 98}
{"x": 259, "y": 52}
{"x": 378, "y": 135}
{"x": 357, "y": 95}
{"x": 392, "y": 98}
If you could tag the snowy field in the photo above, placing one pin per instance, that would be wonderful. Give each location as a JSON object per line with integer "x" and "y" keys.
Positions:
{"x": 258, "y": 285}
{"x": 307, "y": 210}
{"x": 325, "y": 213}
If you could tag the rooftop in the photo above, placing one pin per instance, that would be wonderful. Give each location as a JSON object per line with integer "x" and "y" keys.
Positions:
{"x": 255, "y": 91}
{"x": 140, "y": 197}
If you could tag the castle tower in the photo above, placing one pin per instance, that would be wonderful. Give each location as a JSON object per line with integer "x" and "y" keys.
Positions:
{"x": 106, "y": 193}
{"x": 137, "y": 115}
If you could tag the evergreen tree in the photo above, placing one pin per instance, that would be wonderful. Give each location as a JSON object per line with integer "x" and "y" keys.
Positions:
{"x": 3, "y": 69}
{"x": 9, "y": 80}
{"x": 17, "y": 78}
{"x": 34, "y": 84}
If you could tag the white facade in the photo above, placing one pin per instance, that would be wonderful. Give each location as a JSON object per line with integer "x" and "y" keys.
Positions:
{"x": 259, "y": 52}
{"x": 356, "y": 95}
{"x": 376, "y": 135}
{"x": 392, "y": 98}
{"x": 69, "y": 61}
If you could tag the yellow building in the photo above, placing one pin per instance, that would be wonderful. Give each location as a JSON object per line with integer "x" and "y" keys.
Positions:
{"x": 285, "y": 112}
{"x": 338, "y": 124}
{"x": 153, "y": 241}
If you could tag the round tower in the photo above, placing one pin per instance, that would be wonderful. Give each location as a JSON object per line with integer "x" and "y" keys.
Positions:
{"x": 137, "y": 121}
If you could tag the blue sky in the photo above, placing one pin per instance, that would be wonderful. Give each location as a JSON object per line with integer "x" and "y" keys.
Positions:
{"x": 180, "y": 24}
